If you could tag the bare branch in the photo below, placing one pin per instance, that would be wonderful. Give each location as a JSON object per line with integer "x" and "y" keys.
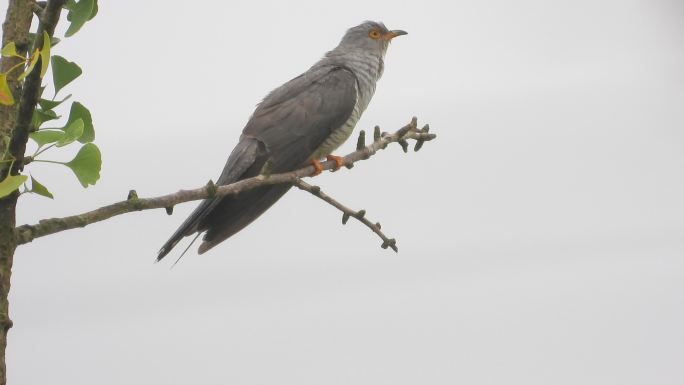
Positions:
{"x": 27, "y": 233}
{"x": 349, "y": 213}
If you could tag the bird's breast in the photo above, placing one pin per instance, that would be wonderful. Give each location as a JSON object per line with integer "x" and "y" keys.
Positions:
{"x": 340, "y": 135}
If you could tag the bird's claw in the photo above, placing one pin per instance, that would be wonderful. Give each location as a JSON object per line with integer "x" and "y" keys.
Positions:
{"x": 317, "y": 167}
{"x": 339, "y": 161}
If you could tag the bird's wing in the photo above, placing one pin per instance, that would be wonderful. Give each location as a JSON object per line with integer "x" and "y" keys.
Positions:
{"x": 286, "y": 128}
{"x": 296, "y": 118}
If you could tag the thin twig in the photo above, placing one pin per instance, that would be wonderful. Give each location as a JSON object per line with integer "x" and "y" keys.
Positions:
{"x": 27, "y": 233}
{"x": 349, "y": 213}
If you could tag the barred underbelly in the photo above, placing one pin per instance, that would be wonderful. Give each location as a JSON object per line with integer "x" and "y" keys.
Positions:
{"x": 335, "y": 140}
{"x": 364, "y": 93}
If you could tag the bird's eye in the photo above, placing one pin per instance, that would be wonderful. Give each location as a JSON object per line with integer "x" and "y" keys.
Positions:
{"x": 374, "y": 34}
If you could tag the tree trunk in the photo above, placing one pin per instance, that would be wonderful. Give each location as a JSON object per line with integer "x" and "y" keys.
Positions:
{"x": 15, "y": 28}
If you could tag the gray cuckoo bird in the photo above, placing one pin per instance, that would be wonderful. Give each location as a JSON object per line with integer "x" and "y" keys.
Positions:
{"x": 300, "y": 122}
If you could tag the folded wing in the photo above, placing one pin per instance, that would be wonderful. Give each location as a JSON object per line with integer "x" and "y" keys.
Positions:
{"x": 285, "y": 129}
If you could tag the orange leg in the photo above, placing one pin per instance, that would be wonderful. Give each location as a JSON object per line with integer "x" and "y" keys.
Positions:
{"x": 317, "y": 167}
{"x": 339, "y": 161}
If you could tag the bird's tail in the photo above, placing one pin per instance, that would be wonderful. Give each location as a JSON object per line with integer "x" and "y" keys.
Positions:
{"x": 233, "y": 214}
{"x": 245, "y": 160}
{"x": 186, "y": 250}
{"x": 187, "y": 228}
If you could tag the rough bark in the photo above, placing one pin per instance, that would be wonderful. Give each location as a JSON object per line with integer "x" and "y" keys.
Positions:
{"x": 14, "y": 125}
{"x": 15, "y": 28}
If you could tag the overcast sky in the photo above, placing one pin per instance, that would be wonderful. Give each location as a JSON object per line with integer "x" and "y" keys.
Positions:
{"x": 541, "y": 236}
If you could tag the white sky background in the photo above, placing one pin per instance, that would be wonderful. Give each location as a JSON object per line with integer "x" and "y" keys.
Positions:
{"x": 541, "y": 236}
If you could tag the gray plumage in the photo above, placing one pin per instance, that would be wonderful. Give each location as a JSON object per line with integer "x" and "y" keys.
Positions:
{"x": 305, "y": 119}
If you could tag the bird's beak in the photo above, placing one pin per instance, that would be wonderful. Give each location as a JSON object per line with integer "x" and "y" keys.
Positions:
{"x": 392, "y": 34}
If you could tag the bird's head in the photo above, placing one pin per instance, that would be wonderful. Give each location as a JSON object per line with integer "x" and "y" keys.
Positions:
{"x": 369, "y": 36}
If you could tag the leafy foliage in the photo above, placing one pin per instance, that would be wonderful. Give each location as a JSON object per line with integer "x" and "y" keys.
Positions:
{"x": 72, "y": 132}
{"x": 80, "y": 112}
{"x": 10, "y": 50}
{"x": 6, "y": 97}
{"x": 32, "y": 63}
{"x": 53, "y": 40}
{"x": 86, "y": 164}
{"x": 63, "y": 72}
{"x": 44, "y": 137}
{"x": 46, "y": 104}
{"x": 45, "y": 55}
{"x": 11, "y": 183}
{"x": 38, "y": 188}
{"x": 79, "y": 13}
{"x": 41, "y": 116}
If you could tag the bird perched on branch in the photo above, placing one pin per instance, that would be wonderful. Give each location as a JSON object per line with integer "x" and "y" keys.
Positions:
{"x": 300, "y": 122}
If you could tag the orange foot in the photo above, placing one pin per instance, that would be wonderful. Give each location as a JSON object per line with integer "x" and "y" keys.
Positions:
{"x": 339, "y": 161}
{"x": 317, "y": 167}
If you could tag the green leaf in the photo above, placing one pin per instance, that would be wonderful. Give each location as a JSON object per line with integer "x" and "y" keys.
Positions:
{"x": 44, "y": 137}
{"x": 6, "y": 96}
{"x": 79, "y": 13}
{"x": 87, "y": 164}
{"x": 63, "y": 72}
{"x": 39, "y": 188}
{"x": 53, "y": 40}
{"x": 10, "y": 50}
{"x": 45, "y": 55}
{"x": 39, "y": 117}
{"x": 50, "y": 104}
{"x": 95, "y": 9}
{"x": 34, "y": 60}
{"x": 78, "y": 111}
{"x": 72, "y": 132}
{"x": 11, "y": 183}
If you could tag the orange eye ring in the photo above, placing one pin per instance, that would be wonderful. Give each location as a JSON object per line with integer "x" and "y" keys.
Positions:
{"x": 374, "y": 34}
